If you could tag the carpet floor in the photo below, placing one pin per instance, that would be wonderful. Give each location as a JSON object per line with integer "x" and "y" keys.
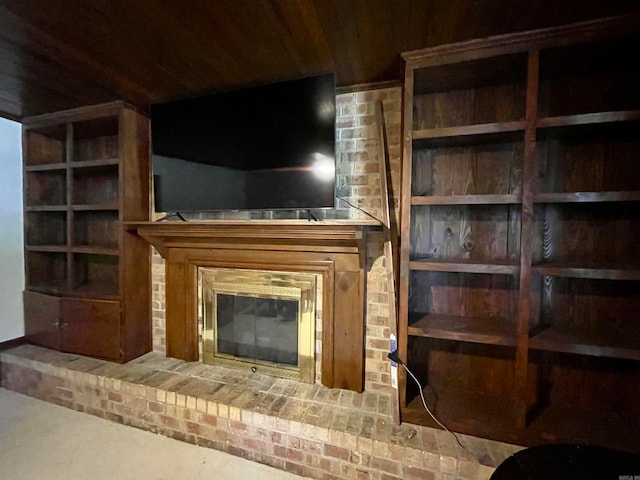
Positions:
{"x": 41, "y": 441}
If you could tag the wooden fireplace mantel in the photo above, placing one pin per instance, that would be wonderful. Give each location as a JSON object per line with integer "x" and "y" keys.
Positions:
{"x": 336, "y": 250}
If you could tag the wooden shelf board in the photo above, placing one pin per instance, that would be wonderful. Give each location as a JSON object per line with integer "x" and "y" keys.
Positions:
{"x": 106, "y": 292}
{"x": 46, "y": 248}
{"x": 579, "y": 197}
{"x": 596, "y": 272}
{"x": 102, "y": 162}
{"x": 96, "y": 206}
{"x": 600, "y": 343}
{"x": 45, "y": 208}
{"x": 469, "y": 130}
{"x": 466, "y": 329}
{"x": 46, "y": 167}
{"x": 95, "y": 250}
{"x": 467, "y": 412}
{"x": 98, "y": 292}
{"x": 48, "y": 288}
{"x": 464, "y": 266}
{"x": 490, "y": 199}
{"x": 494, "y": 417}
{"x": 557, "y": 424}
{"x": 588, "y": 119}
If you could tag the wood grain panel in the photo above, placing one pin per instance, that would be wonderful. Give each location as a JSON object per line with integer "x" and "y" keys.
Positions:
{"x": 588, "y": 384}
{"x": 348, "y": 331}
{"x": 585, "y": 160}
{"x": 96, "y": 274}
{"x": 45, "y": 147}
{"x": 471, "y": 106}
{"x": 89, "y": 327}
{"x": 46, "y": 228}
{"x": 602, "y": 310}
{"x": 464, "y": 295}
{"x": 95, "y": 186}
{"x": 583, "y": 234}
{"x": 101, "y": 51}
{"x": 586, "y": 78}
{"x": 45, "y": 188}
{"x": 477, "y": 233}
{"x": 42, "y": 319}
{"x": 135, "y": 291}
{"x": 179, "y": 342}
{"x": 493, "y": 168}
{"x": 96, "y": 229}
{"x": 469, "y": 367}
{"x": 46, "y": 270}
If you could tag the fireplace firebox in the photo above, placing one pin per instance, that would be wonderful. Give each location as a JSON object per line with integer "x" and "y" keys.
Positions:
{"x": 259, "y": 320}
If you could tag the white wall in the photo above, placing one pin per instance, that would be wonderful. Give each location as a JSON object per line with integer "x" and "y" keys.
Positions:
{"x": 11, "y": 255}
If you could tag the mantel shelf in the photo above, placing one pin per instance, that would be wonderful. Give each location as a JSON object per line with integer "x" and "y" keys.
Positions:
{"x": 295, "y": 235}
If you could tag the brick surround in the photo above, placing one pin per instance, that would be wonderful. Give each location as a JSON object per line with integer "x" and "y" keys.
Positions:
{"x": 358, "y": 181}
{"x": 306, "y": 429}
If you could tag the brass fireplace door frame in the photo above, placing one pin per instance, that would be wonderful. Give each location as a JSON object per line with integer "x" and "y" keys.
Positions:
{"x": 262, "y": 284}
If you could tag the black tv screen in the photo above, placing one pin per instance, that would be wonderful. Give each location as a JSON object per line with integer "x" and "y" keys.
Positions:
{"x": 266, "y": 147}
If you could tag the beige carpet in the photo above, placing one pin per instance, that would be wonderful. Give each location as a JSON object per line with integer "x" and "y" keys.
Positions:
{"x": 41, "y": 441}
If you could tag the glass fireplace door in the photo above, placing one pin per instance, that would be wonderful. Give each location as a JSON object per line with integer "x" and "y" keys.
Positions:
{"x": 260, "y": 320}
{"x": 263, "y": 329}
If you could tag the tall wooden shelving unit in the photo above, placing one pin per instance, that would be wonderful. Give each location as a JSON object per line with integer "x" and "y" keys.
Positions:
{"x": 519, "y": 280}
{"x": 86, "y": 171}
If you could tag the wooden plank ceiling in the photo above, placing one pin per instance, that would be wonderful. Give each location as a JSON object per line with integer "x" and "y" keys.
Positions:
{"x": 57, "y": 54}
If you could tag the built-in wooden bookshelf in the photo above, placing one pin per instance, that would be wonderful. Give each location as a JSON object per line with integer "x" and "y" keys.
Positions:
{"x": 519, "y": 282}
{"x": 87, "y": 278}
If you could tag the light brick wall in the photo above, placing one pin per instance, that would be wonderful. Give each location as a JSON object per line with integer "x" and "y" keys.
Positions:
{"x": 357, "y": 181}
{"x": 357, "y": 163}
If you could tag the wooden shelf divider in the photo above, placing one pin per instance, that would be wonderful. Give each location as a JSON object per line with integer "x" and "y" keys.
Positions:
{"x": 469, "y": 130}
{"x": 464, "y": 266}
{"x": 46, "y": 248}
{"x": 499, "y": 199}
{"x": 45, "y": 208}
{"x": 587, "y": 197}
{"x": 588, "y": 119}
{"x": 96, "y": 206}
{"x": 45, "y": 167}
{"x": 629, "y": 272}
{"x": 600, "y": 343}
{"x": 489, "y": 331}
{"x": 102, "y": 162}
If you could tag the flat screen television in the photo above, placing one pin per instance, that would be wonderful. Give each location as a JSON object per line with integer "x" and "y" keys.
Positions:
{"x": 260, "y": 148}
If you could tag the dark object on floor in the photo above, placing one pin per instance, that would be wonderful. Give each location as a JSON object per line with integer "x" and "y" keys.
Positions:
{"x": 568, "y": 462}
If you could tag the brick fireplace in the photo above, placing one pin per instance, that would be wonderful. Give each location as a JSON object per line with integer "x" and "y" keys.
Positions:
{"x": 333, "y": 250}
{"x": 357, "y": 180}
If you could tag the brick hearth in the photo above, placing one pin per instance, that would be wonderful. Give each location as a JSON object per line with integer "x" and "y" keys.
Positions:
{"x": 307, "y": 429}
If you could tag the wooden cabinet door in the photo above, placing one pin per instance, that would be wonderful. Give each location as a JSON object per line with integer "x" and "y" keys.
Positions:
{"x": 42, "y": 319}
{"x": 91, "y": 327}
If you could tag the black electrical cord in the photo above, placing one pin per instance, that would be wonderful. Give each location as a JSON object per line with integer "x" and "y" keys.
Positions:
{"x": 358, "y": 208}
{"x": 393, "y": 356}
